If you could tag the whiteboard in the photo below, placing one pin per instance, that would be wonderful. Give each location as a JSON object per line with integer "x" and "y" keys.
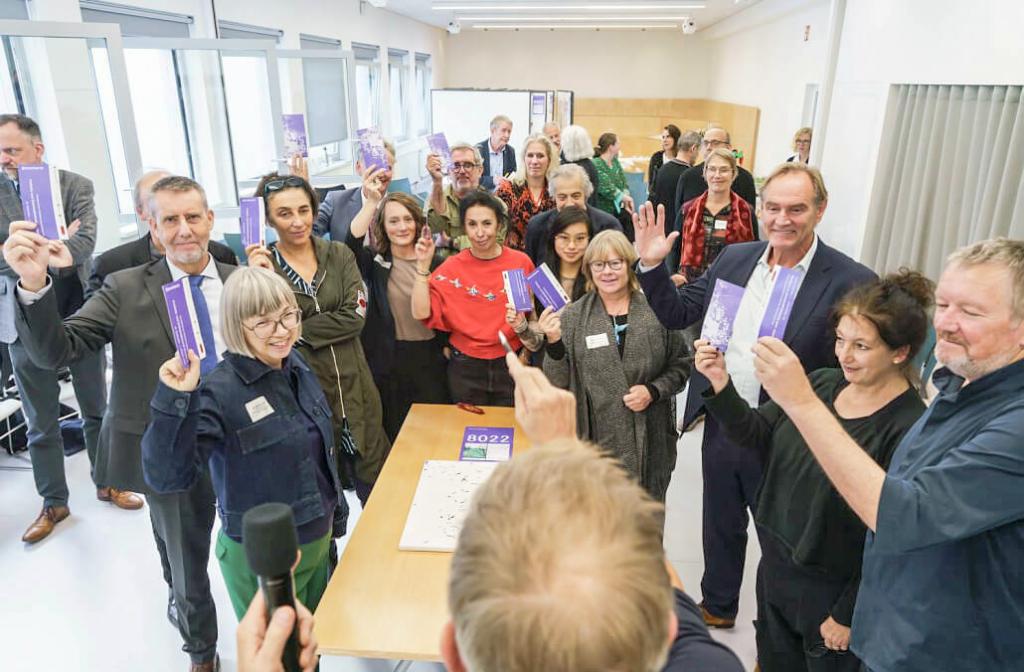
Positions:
{"x": 440, "y": 504}
{"x": 464, "y": 115}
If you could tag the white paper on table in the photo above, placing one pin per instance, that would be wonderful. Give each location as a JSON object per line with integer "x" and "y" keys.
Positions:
{"x": 440, "y": 504}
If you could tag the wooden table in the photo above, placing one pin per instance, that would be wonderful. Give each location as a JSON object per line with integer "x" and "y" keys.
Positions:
{"x": 386, "y": 603}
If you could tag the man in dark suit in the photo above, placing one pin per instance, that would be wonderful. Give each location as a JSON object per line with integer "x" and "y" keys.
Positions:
{"x": 38, "y": 386}
{"x": 569, "y": 185}
{"x": 794, "y": 198}
{"x": 339, "y": 208}
{"x": 499, "y": 158}
{"x": 130, "y": 313}
{"x": 692, "y": 184}
{"x": 148, "y": 247}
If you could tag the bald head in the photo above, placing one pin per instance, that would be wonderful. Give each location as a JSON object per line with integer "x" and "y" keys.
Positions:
{"x": 142, "y": 191}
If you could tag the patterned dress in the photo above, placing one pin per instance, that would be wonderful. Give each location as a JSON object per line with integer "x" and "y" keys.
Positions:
{"x": 521, "y": 207}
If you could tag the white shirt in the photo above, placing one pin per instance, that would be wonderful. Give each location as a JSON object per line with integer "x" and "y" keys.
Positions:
{"x": 212, "y": 288}
{"x": 496, "y": 161}
{"x": 739, "y": 360}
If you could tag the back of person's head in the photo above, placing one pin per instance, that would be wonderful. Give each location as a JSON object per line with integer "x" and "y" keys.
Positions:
{"x": 175, "y": 184}
{"x": 1001, "y": 251}
{"x": 897, "y": 305}
{"x": 481, "y": 198}
{"x": 576, "y": 143}
{"x": 410, "y": 203}
{"x": 26, "y": 125}
{"x": 569, "y": 172}
{"x": 560, "y": 567}
{"x": 812, "y": 173}
{"x": 272, "y": 183}
{"x": 250, "y": 291}
{"x": 688, "y": 141}
{"x": 604, "y": 142}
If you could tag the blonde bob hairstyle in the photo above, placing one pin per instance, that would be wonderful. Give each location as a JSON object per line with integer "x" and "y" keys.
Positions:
{"x": 576, "y": 584}
{"x": 250, "y": 292}
{"x": 549, "y": 149}
{"x": 724, "y": 154}
{"x": 611, "y": 244}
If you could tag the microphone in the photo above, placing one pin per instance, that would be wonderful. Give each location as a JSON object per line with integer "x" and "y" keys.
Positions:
{"x": 271, "y": 545}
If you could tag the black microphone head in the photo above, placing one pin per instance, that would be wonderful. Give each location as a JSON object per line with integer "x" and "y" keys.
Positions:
{"x": 269, "y": 537}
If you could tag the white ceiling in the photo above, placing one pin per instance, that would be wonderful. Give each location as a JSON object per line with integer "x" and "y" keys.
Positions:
{"x": 589, "y": 11}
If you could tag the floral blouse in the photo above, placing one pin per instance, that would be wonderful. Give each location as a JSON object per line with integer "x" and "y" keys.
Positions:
{"x": 521, "y": 207}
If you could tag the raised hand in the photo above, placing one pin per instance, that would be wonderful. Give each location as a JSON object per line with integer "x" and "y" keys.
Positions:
{"x": 711, "y": 363}
{"x": 60, "y": 255}
{"x": 297, "y": 166}
{"x": 550, "y": 323}
{"x": 259, "y": 256}
{"x": 780, "y": 373}
{"x": 28, "y": 254}
{"x": 175, "y": 376}
{"x": 434, "y": 167}
{"x": 373, "y": 184}
{"x": 514, "y": 318}
{"x": 649, "y": 228}
{"x": 424, "y": 250}
{"x": 544, "y": 411}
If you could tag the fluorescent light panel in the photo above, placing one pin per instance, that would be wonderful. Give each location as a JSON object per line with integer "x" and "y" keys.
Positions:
{"x": 548, "y": 8}
{"x": 562, "y": 26}
{"x": 573, "y": 18}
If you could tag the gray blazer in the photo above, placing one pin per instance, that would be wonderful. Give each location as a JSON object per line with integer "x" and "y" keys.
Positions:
{"x": 337, "y": 212}
{"x": 644, "y": 442}
{"x": 76, "y": 193}
{"x": 129, "y": 313}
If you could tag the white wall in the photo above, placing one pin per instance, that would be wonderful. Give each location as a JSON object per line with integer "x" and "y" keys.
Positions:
{"x": 759, "y": 57}
{"x": 609, "y": 64}
{"x": 905, "y": 42}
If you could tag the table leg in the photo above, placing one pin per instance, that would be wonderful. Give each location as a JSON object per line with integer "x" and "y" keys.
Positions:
{"x": 402, "y": 666}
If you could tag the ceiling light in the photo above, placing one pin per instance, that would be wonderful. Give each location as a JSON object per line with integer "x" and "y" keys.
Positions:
{"x": 574, "y": 18}
{"x": 546, "y": 8}
{"x": 562, "y": 26}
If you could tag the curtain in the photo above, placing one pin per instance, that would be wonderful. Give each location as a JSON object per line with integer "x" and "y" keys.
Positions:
{"x": 950, "y": 173}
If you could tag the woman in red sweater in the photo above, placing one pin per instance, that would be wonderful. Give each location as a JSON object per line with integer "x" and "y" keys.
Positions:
{"x": 465, "y": 296}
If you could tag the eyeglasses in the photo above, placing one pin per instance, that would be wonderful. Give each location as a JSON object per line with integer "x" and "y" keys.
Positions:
{"x": 614, "y": 264}
{"x": 718, "y": 170}
{"x": 714, "y": 143}
{"x": 563, "y": 239}
{"x": 264, "y": 329}
{"x": 464, "y": 166}
{"x": 283, "y": 183}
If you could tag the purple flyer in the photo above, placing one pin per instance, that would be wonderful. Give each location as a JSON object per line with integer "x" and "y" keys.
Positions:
{"x": 439, "y": 145}
{"x": 780, "y": 303}
{"x": 516, "y": 290}
{"x": 486, "y": 444}
{"x": 371, "y": 147}
{"x": 252, "y": 221}
{"x": 547, "y": 288}
{"x": 294, "y": 135}
{"x": 184, "y": 323}
{"x": 40, "y": 200}
{"x": 721, "y": 314}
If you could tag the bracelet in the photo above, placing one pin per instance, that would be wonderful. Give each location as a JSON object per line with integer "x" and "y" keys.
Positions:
{"x": 422, "y": 274}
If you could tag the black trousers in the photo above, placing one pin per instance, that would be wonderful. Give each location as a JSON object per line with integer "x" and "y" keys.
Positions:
{"x": 481, "y": 382}
{"x": 791, "y": 606}
{"x": 732, "y": 476}
{"x": 418, "y": 376}
{"x": 182, "y": 525}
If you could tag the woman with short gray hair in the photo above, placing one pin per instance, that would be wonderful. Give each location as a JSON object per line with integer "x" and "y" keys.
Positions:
{"x": 261, "y": 423}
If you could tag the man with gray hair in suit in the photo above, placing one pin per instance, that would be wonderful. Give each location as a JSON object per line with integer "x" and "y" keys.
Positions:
{"x": 21, "y": 143}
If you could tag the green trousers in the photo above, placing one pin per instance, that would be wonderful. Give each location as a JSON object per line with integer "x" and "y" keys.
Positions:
{"x": 310, "y": 576}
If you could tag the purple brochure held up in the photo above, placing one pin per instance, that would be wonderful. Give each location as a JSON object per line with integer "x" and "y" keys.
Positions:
{"x": 780, "y": 303}
{"x": 371, "y": 146}
{"x": 294, "y": 135}
{"x": 486, "y": 444}
{"x": 516, "y": 290}
{"x": 40, "y": 200}
{"x": 252, "y": 221}
{"x": 547, "y": 288}
{"x": 184, "y": 323}
{"x": 439, "y": 145}
{"x": 721, "y": 314}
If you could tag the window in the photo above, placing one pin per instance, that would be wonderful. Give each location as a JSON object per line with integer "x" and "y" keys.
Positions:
{"x": 421, "y": 107}
{"x": 231, "y": 30}
{"x": 10, "y": 89}
{"x": 317, "y": 42}
{"x": 367, "y": 84}
{"x": 135, "y": 22}
{"x": 397, "y": 86}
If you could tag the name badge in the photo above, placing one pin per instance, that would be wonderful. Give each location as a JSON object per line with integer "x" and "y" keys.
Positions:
{"x": 597, "y": 341}
{"x": 721, "y": 224}
{"x": 259, "y": 408}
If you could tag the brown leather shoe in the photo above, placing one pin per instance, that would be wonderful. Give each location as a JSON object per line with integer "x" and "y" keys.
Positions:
{"x": 208, "y": 666}
{"x": 713, "y": 621}
{"x": 122, "y": 499}
{"x": 44, "y": 524}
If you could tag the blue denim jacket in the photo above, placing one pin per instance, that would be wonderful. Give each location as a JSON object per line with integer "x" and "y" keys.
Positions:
{"x": 245, "y": 420}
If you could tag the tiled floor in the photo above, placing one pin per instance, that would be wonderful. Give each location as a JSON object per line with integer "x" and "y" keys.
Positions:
{"x": 91, "y": 596}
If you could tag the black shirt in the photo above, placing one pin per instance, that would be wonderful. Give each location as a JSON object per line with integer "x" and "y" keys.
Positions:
{"x": 663, "y": 188}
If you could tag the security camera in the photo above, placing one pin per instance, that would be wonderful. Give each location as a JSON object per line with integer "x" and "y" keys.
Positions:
{"x": 689, "y": 26}
{"x": 454, "y": 27}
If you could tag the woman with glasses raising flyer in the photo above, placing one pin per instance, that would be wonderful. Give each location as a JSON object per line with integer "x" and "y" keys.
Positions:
{"x": 625, "y": 369}
{"x": 324, "y": 277}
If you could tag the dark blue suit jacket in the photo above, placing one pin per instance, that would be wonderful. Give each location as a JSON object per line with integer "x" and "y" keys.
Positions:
{"x": 336, "y": 213}
{"x": 808, "y": 333}
{"x": 539, "y": 227}
{"x": 487, "y": 180}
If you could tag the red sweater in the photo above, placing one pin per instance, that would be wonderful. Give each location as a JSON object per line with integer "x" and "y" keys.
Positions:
{"x": 467, "y": 299}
